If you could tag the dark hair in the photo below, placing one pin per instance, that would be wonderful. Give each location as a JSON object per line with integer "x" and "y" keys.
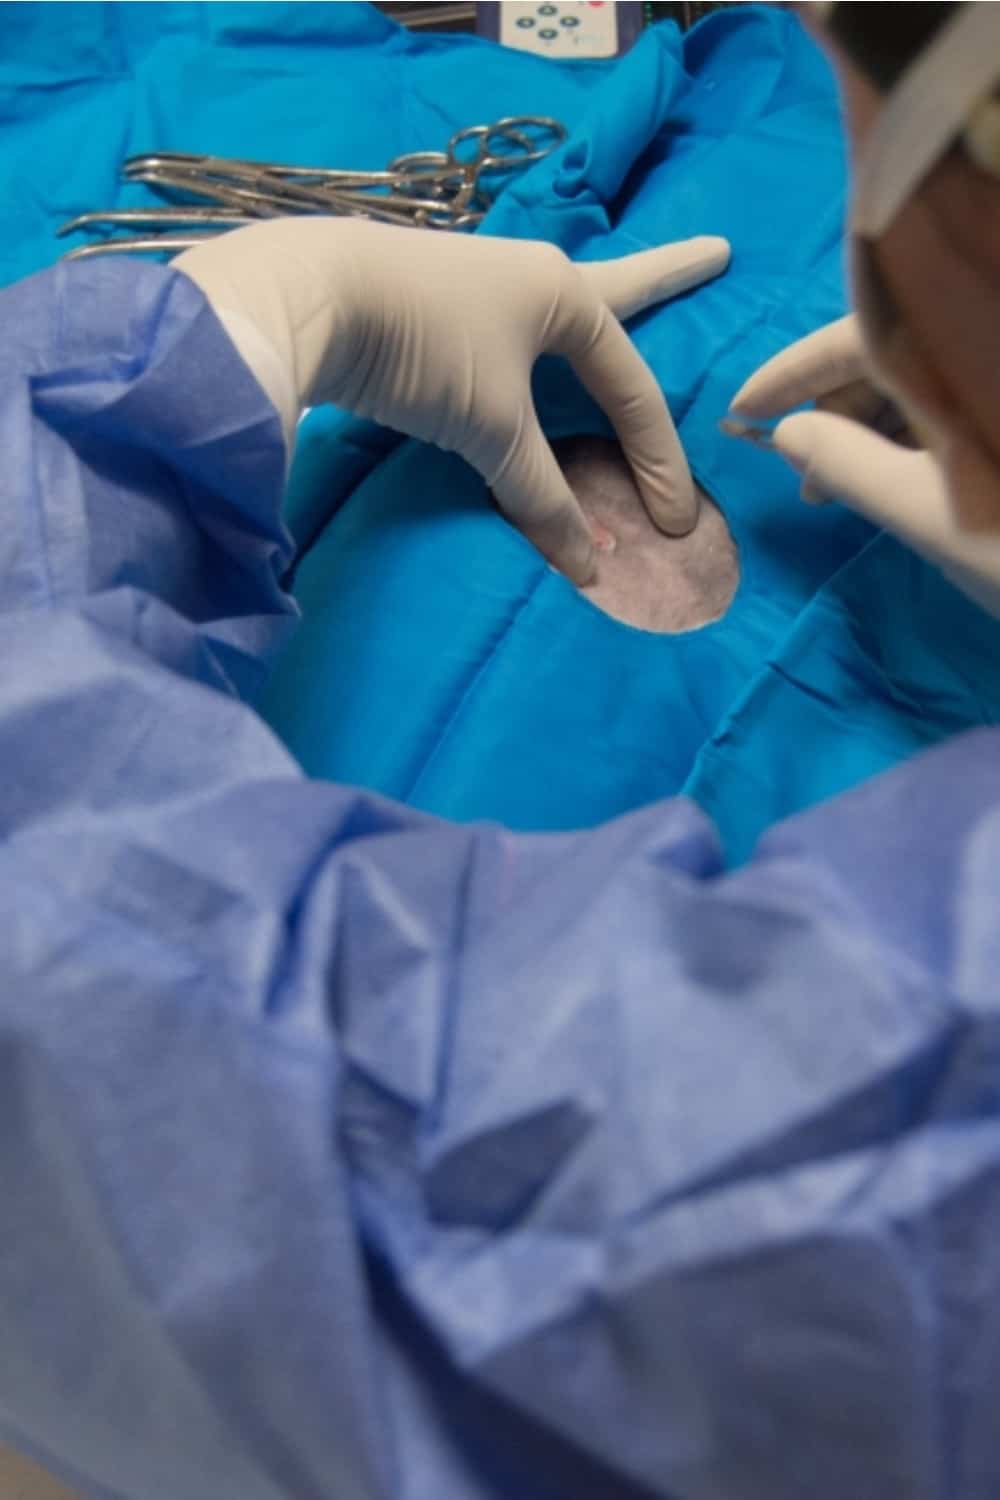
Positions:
{"x": 883, "y": 39}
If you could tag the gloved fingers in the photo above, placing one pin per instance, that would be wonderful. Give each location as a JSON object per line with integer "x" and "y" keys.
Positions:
{"x": 532, "y": 492}
{"x": 622, "y": 384}
{"x": 633, "y": 282}
{"x": 808, "y": 369}
{"x": 902, "y": 490}
{"x": 893, "y": 487}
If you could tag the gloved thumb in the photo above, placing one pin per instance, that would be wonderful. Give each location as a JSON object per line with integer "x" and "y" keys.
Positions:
{"x": 531, "y": 490}
{"x": 634, "y": 282}
{"x": 810, "y": 368}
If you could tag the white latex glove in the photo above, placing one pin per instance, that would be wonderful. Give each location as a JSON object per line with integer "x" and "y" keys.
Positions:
{"x": 897, "y": 488}
{"x": 436, "y": 335}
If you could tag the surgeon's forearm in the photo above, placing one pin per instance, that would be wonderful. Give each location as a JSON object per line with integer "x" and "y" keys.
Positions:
{"x": 140, "y": 453}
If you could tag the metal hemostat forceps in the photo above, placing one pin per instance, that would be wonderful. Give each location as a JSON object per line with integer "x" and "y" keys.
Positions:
{"x": 450, "y": 189}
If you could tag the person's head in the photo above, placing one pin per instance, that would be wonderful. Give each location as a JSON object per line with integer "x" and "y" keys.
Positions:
{"x": 921, "y": 88}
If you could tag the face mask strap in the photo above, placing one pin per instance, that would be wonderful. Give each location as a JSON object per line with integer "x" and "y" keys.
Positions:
{"x": 944, "y": 94}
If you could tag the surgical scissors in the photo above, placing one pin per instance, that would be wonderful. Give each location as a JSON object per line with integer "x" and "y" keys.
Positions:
{"x": 449, "y": 189}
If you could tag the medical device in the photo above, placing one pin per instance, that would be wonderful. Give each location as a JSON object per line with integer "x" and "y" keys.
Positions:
{"x": 568, "y": 30}
{"x": 449, "y": 189}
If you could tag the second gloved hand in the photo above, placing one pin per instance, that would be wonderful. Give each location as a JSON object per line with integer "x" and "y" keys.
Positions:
{"x": 840, "y": 458}
{"x": 436, "y": 335}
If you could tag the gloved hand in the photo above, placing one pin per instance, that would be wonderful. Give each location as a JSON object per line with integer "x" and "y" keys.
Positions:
{"x": 436, "y": 335}
{"x": 897, "y": 488}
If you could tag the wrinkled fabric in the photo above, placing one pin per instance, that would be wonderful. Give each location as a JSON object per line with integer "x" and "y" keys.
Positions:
{"x": 492, "y": 660}
{"x": 442, "y": 663}
{"x": 346, "y": 1150}
{"x": 335, "y": 85}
